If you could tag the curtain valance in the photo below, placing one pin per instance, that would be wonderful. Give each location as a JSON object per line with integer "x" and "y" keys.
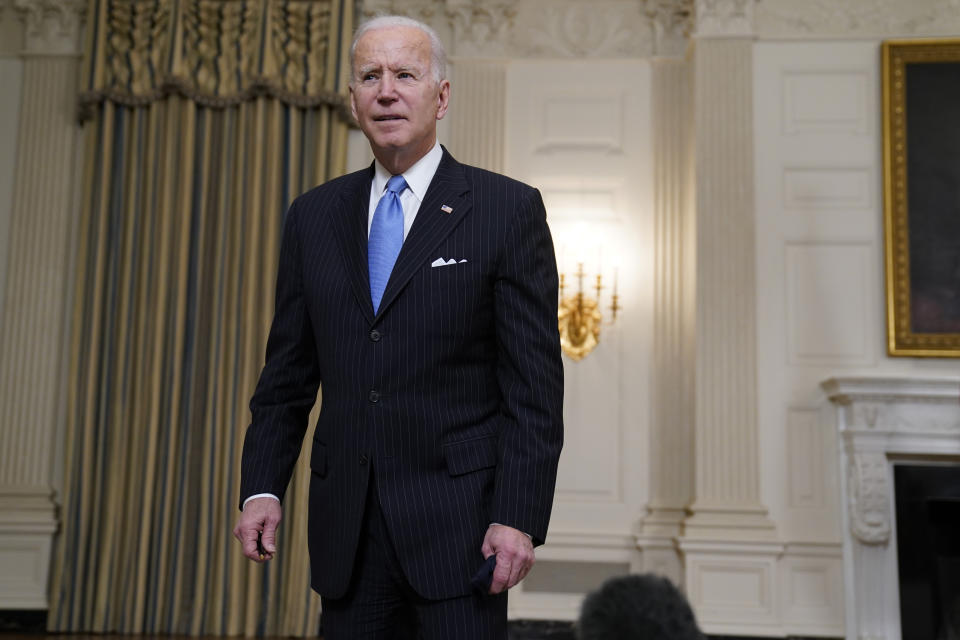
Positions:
{"x": 215, "y": 52}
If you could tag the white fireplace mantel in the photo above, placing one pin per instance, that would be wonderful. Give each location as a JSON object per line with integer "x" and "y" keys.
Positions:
{"x": 882, "y": 421}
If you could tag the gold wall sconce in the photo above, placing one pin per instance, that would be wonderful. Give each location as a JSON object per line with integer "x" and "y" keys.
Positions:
{"x": 579, "y": 316}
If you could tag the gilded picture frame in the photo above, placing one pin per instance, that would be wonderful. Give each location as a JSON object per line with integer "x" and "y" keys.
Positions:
{"x": 921, "y": 154}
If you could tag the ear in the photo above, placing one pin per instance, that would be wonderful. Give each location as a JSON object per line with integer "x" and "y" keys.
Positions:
{"x": 443, "y": 99}
{"x": 353, "y": 103}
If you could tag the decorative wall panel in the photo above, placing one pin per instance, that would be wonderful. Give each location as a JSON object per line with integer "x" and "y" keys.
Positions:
{"x": 561, "y": 126}
{"x": 820, "y": 101}
{"x": 837, "y": 188}
{"x": 813, "y": 592}
{"x": 805, "y": 472}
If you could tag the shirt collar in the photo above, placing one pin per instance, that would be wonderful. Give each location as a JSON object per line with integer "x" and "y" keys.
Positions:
{"x": 418, "y": 176}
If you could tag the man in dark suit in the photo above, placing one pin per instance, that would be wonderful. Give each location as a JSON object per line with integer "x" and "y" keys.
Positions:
{"x": 422, "y": 295}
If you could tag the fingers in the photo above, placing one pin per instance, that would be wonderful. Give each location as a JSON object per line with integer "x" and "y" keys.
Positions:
{"x": 515, "y": 556}
{"x": 486, "y": 549}
{"x": 269, "y": 536}
{"x": 256, "y": 529}
{"x": 501, "y": 575}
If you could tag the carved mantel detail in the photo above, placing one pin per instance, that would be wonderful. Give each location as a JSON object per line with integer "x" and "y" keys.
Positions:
{"x": 868, "y": 495}
{"x": 881, "y": 422}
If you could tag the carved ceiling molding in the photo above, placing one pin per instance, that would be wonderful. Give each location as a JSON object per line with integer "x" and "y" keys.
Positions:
{"x": 858, "y": 18}
{"x": 480, "y": 27}
{"x": 725, "y": 18}
{"x": 52, "y": 27}
{"x": 583, "y": 30}
{"x": 551, "y": 28}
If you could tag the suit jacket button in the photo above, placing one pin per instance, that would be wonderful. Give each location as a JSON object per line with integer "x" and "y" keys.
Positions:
{"x": 375, "y": 336}
{"x": 374, "y": 396}
{"x": 363, "y": 460}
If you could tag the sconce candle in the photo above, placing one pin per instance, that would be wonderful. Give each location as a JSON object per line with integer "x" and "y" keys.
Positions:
{"x": 579, "y": 316}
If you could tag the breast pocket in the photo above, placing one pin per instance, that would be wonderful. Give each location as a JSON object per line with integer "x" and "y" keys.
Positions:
{"x": 454, "y": 299}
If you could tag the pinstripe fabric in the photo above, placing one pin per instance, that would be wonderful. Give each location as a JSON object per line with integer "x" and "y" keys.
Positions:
{"x": 380, "y": 605}
{"x": 453, "y": 390}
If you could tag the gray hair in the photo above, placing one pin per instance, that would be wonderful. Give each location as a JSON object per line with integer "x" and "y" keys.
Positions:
{"x": 438, "y": 55}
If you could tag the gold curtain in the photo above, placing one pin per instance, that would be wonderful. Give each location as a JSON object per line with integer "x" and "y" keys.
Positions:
{"x": 205, "y": 119}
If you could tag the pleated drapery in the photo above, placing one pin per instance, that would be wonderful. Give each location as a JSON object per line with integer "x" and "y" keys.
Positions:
{"x": 191, "y": 161}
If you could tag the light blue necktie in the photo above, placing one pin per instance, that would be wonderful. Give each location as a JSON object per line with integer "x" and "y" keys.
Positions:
{"x": 386, "y": 238}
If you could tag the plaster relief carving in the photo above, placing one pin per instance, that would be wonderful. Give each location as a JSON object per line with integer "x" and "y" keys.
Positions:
{"x": 883, "y": 18}
{"x": 927, "y": 417}
{"x": 607, "y": 29}
{"x": 869, "y": 505}
{"x": 867, "y": 415}
{"x": 478, "y": 25}
{"x": 672, "y": 22}
{"x": 725, "y": 17}
{"x": 52, "y": 26}
{"x": 547, "y": 28}
{"x": 423, "y": 10}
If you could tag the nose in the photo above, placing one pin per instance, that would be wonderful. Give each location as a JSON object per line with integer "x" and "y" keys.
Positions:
{"x": 386, "y": 91}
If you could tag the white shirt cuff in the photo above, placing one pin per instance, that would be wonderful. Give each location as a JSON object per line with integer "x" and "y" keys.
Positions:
{"x": 259, "y": 495}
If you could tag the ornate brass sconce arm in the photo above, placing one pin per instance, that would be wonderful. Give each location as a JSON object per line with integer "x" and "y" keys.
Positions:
{"x": 579, "y": 316}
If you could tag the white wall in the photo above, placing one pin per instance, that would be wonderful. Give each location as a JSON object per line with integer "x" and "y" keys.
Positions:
{"x": 820, "y": 283}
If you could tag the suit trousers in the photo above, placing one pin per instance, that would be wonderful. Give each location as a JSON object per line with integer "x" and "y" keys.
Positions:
{"x": 380, "y": 604}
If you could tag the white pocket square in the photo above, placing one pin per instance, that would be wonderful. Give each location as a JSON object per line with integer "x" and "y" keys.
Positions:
{"x": 440, "y": 262}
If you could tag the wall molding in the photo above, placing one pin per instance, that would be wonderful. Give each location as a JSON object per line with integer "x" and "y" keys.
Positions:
{"x": 857, "y": 18}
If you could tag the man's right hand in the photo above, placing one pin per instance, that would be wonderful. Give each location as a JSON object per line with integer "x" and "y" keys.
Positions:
{"x": 259, "y": 519}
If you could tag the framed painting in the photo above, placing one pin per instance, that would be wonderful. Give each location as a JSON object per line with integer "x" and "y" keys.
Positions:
{"x": 921, "y": 154}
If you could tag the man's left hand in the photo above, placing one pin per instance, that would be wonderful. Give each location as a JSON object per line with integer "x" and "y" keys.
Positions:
{"x": 515, "y": 555}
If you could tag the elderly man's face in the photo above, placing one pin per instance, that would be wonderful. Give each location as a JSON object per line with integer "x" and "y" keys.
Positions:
{"x": 394, "y": 96}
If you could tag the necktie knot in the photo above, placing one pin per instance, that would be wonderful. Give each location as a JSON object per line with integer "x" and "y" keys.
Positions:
{"x": 396, "y": 184}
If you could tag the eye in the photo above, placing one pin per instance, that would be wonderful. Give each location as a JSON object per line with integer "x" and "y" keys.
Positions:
{"x": 405, "y": 75}
{"x": 368, "y": 76}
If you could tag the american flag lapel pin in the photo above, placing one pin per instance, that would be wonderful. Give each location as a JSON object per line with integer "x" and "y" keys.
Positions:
{"x": 446, "y": 209}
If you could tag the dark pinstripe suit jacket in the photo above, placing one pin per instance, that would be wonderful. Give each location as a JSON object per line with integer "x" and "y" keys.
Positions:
{"x": 451, "y": 395}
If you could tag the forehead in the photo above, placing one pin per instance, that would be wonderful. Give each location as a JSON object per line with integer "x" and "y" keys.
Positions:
{"x": 392, "y": 46}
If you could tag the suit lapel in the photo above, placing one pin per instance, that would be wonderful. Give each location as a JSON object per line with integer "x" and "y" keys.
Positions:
{"x": 433, "y": 223}
{"x": 350, "y": 229}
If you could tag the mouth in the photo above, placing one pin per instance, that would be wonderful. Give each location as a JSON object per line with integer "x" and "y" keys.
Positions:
{"x": 387, "y": 118}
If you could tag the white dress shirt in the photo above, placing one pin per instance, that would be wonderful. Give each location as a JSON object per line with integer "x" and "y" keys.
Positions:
{"x": 418, "y": 178}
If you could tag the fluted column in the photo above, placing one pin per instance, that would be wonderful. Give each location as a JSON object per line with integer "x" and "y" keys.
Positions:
{"x": 34, "y": 308}
{"x": 478, "y": 113}
{"x": 727, "y": 503}
{"x": 729, "y": 544}
{"x": 671, "y": 432}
